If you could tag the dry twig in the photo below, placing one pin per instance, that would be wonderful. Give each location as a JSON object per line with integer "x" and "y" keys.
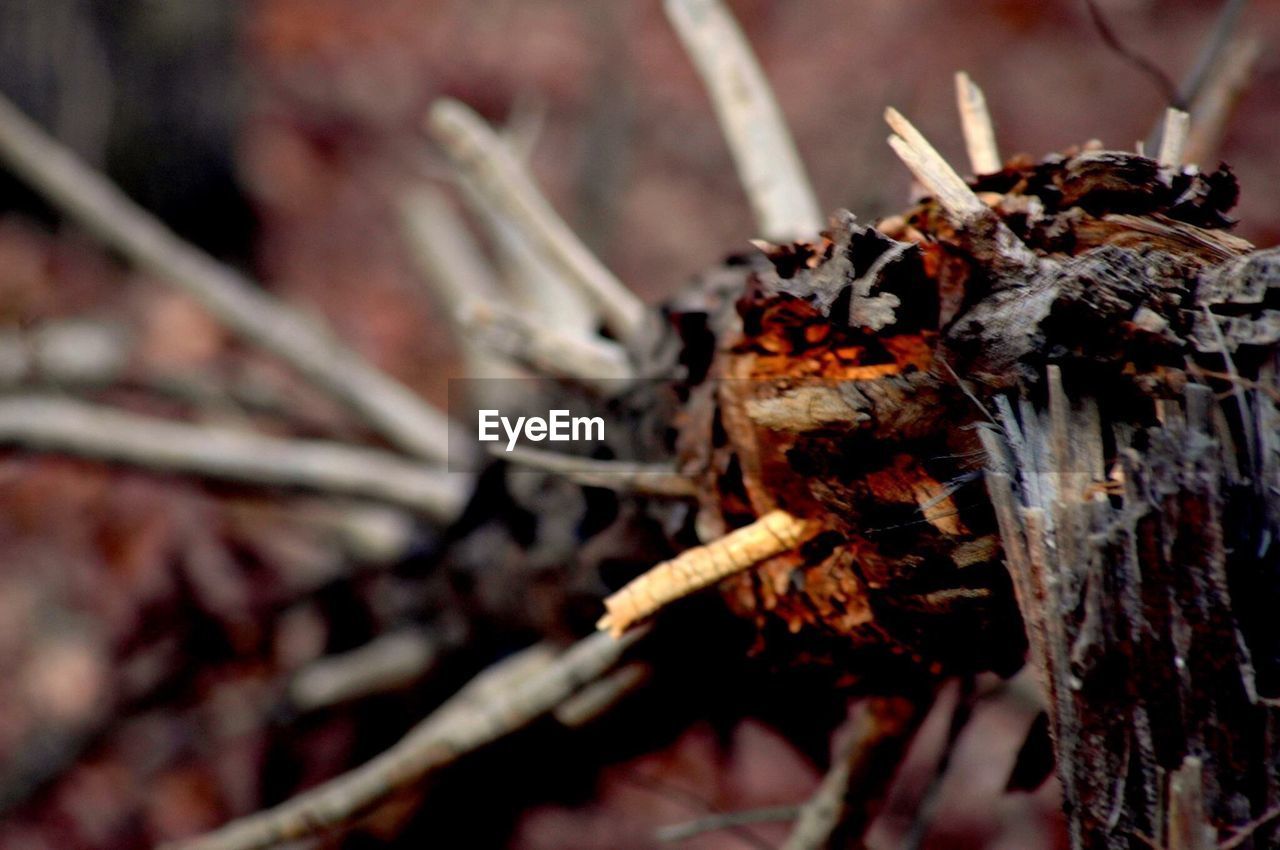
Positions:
{"x": 1173, "y": 138}
{"x": 1212, "y": 109}
{"x": 239, "y": 303}
{"x": 92, "y": 431}
{"x": 869, "y": 746}
{"x": 763, "y": 151}
{"x": 460, "y": 278}
{"x": 975, "y": 121}
{"x": 702, "y": 566}
{"x": 591, "y": 361}
{"x": 384, "y": 664}
{"x": 499, "y": 701}
{"x": 477, "y": 151}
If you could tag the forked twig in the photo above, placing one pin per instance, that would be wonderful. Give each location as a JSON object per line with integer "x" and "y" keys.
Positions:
{"x": 477, "y": 150}
{"x": 240, "y": 304}
{"x": 768, "y": 165}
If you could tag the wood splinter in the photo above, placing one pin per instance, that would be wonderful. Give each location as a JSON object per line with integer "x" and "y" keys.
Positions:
{"x": 690, "y": 571}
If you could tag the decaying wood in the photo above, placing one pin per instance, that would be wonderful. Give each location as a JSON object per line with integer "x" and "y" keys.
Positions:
{"x": 701, "y": 567}
{"x": 1037, "y": 411}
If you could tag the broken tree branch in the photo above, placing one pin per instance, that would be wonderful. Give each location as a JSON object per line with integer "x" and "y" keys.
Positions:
{"x": 476, "y": 150}
{"x": 1173, "y": 138}
{"x": 934, "y": 173}
{"x": 61, "y": 425}
{"x": 765, "y": 155}
{"x": 499, "y": 701}
{"x": 975, "y": 121}
{"x": 991, "y": 238}
{"x": 87, "y": 196}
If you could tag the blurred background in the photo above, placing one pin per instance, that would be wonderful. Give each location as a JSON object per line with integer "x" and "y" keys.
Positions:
{"x": 147, "y": 623}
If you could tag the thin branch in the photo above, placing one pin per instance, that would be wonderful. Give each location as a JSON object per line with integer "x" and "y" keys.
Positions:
{"x": 70, "y": 427}
{"x": 599, "y": 697}
{"x": 460, "y": 278}
{"x": 868, "y": 749}
{"x": 725, "y": 820}
{"x": 703, "y": 566}
{"x": 1173, "y": 138}
{"x": 763, "y": 151}
{"x": 961, "y": 714}
{"x": 1213, "y": 56}
{"x": 87, "y": 196}
{"x": 476, "y": 150}
{"x": 1142, "y": 63}
{"x": 545, "y": 350}
{"x": 386, "y": 663}
{"x": 649, "y": 479}
{"x": 975, "y": 121}
{"x": 1212, "y": 110}
{"x": 501, "y": 700}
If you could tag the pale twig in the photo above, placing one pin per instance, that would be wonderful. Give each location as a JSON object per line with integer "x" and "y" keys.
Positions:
{"x": 599, "y": 697}
{"x": 763, "y": 151}
{"x": 699, "y": 567}
{"x": 64, "y": 426}
{"x": 386, "y": 663}
{"x": 1214, "y": 55}
{"x": 498, "y": 702}
{"x": 650, "y": 479}
{"x": 546, "y": 350}
{"x": 724, "y": 820}
{"x": 1173, "y": 138}
{"x": 868, "y": 748}
{"x": 1212, "y": 110}
{"x": 451, "y": 262}
{"x": 933, "y": 172}
{"x": 477, "y": 150}
{"x": 988, "y": 234}
{"x": 100, "y": 206}
{"x": 975, "y": 121}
